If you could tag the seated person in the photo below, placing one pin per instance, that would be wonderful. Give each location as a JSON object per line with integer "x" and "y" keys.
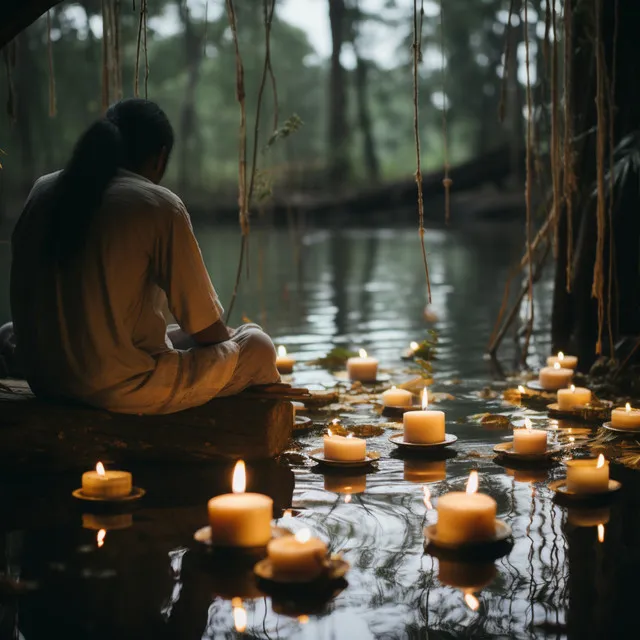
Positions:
{"x": 95, "y": 250}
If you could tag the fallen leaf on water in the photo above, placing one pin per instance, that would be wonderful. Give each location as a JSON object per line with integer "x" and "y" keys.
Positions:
{"x": 416, "y": 385}
{"x": 491, "y": 420}
{"x": 366, "y": 430}
{"x": 321, "y": 398}
{"x": 487, "y": 393}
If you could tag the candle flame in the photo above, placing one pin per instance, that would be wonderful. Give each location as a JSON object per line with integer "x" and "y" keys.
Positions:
{"x": 414, "y": 346}
{"x": 560, "y": 355}
{"x": 304, "y": 535}
{"x": 471, "y": 601}
{"x": 239, "y": 482}
{"x": 100, "y": 469}
{"x": 572, "y": 439}
{"x": 282, "y": 351}
{"x": 600, "y": 533}
{"x": 556, "y": 365}
{"x": 303, "y": 619}
{"x": 347, "y": 498}
{"x": 627, "y": 408}
{"x": 600, "y": 462}
{"x": 287, "y": 514}
{"x": 102, "y": 534}
{"x": 472, "y": 483}
{"x": 349, "y": 435}
{"x": 393, "y": 388}
{"x": 239, "y": 615}
{"x": 362, "y": 353}
{"x": 573, "y": 388}
{"x": 425, "y": 399}
{"x": 527, "y": 424}
{"x": 427, "y": 497}
{"x": 330, "y": 433}
{"x": 521, "y": 389}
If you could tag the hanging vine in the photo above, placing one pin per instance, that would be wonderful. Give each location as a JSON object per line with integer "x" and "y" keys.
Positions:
{"x": 52, "y": 78}
{"x": 556, "y": 169}
{"x": 569, "y": 180}
{"x": 141, "y": 44}
{"x": 417, "y": 58}
{"x": 446, "y": 181}
{"x": 502, "y": 106}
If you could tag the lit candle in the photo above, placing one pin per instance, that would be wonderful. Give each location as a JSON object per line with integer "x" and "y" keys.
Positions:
{"x": 625, "y": 418}
{"x": 299, "y": 554}
{"x": 588, "y": 476}
{"x": 397, "y": 398}
{"x": 106, "y": 484}
{"x": 362, "y": 368}
{"x": 416, "y": 470}
{"x": 345, "y": 484}
{"x": 240, "y": 519}
{"x": 573, "y": 397}
{"x": 239, "y": 615}
{"x": 555, "y": 377}
{"x": 566, "y": 362}
{"x": 529, "y": 440}
{"x": 284, "y": 363}
{"x": 423, "y": 427}
{"x": 473, "y": 576}
{"x": 344, "y": 449}
{"x": 413, "y": 347}
{"x": 466, "y": 517}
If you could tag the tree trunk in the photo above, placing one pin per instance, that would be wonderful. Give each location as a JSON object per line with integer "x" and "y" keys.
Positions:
{"x": 369, "y": 148}
{"x": 338, "y": 151}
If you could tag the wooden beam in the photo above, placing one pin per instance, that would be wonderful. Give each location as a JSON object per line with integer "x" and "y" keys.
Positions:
{"x": 17, "y": 15}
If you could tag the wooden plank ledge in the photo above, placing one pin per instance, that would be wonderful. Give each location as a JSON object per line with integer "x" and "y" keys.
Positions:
{"x": 40, "y": 435}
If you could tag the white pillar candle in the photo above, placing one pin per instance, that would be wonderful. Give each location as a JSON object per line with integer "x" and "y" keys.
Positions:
{"x": 566, "y": 362}
{"x": 423, "y": 427}
{"x": 529, "y": 440}
{"x": 299, "y": 554}
{"x": 625, "y": 417}
{"x": 466, "y": 517}
{"x": 573, "y": 397}
{"x": 344, "y": 448}
{"x": 363, "y": 368}
{"x": 555, "y": 377}
{"x": 588, "y": 476}
{"x": 240, "y": 519}
{"x": 284, "y": 363}
{"x": 397, "y": 398}
{"x": 106, "y": 484}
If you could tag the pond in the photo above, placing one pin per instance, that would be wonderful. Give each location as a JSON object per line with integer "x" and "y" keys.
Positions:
{"x": 356, "y": 288}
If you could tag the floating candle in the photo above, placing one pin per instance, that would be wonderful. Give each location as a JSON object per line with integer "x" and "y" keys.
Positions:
{"x": 529, "y": 440}
{"x": 344, "y": 449}
{"x": 240, "y": 519}
{"x": 466, "y": 517}
{"x": 566, "y": 362}
{"x": 416, "y": 470}
{"x": 363, "y": 368}
{"x": 588, "y": 476}
{"x": 625, "y": 418}
{"x": 299, "y": 554}
{"x": 397, "y": 398}
{"x": 581, "y": 517}
{"x": 473, "y": 576}
{"x": 573, "y": 397}
{"x": 555, "y": 377}
{"x": 106, "y": 484}
{"x": 424, "y": 427}
{"x": 284, "y": 363}
{"x": 239, "y": 615}
{"x": 345, "y": 484}
{"x": 107, "y": 521}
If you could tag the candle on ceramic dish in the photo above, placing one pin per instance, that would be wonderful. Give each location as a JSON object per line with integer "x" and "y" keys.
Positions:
{"x": 566, "y": 362}
{"x": 106, "y": 484}
{"x": 284, "y": 362}
{"x": 397, "y": 398}
{"x": 424, "y": 427}
{"x": 573, "y": 397}
{"x": 300, "y": 555}
{"x": 362, "y": 368}
{"x": 588, "y": 476}
{"x": 625, "y": 417}
{"x": 555, "y": 377}
{"x": 528, "y": 440}
{"x": 240, "y": 519}
{"x": 344, "y": 448}
{"x": 466, "y": 517}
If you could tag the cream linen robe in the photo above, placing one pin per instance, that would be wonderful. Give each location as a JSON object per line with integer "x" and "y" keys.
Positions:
{"x": 94, "y": 331}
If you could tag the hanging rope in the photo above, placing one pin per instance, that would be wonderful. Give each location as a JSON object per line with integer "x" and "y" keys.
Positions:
{"x": 417, "y": 57}
{"x": 52, "y": 79}
{"x": 556, "y": 169}
{"x": 569, "y": 181}
{"x": 142, "y": 26}
{"x": 117, "y": 61}
{"x": 446, "y": 181}
{"x": 502, "y": 107}
{"x": 597, "y": 290}
{"x": 528, "y": 163}
{"x": 105, "y": 56}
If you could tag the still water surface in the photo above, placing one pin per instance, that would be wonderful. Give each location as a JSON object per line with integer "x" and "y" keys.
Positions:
{"x": 356, "y": 288}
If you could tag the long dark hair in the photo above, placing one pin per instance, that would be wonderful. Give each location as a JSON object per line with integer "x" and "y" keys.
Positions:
{"x": 130, "y": 134}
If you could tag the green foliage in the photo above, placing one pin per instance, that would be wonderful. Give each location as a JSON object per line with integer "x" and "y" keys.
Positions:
{"x": 335, "y": 359}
